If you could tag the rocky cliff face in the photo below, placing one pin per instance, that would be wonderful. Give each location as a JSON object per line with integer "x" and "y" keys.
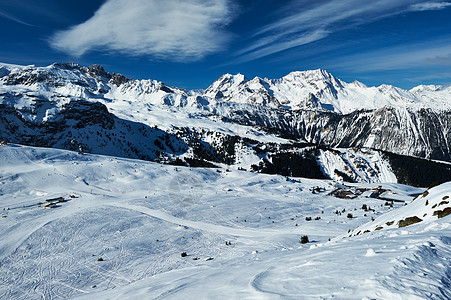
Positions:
{"x": 423, "y": 133}
{"x": 88, "y": 127}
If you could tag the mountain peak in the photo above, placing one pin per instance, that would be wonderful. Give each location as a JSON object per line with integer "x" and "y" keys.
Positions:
{"x": 427, "y": 88}
{"x": 237, "y": 78}
{"x": 358, "y": 84}
{"x": 226, "y": 82}
{"x": 67, "y": 66}
{"x": 314, "y": 74}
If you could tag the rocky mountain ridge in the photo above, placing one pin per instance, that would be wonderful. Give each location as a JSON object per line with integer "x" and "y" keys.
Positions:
{"x": 313, "y": 89}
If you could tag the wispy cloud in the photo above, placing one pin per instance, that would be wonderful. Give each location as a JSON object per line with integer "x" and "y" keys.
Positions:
{"x": 443, "y": 77}
{"x": 256, "y": 52}
{"x": 12, "y": 18}
{"x": 430, "y": 5}
{"x": 172, "y": 29}
{"x": 441, "y": 59}
{"x": 302, "y": 24}
{"x": 413, "y": 56}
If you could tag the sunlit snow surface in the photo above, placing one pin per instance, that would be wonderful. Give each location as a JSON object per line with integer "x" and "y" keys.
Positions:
{"x": 140, "y": 216}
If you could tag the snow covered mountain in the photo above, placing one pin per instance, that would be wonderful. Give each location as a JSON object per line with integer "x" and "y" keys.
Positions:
{"x": 298, "y": 90}
{"x": 321, "y": 90}
{"x": 235, "y": 121}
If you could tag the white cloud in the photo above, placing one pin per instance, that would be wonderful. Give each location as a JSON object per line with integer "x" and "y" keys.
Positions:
{"x": 172, "y": 29}
{"x": 430, "y": 6}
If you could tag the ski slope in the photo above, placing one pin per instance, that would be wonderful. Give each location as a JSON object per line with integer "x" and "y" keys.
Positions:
{"x": 124, "y": 224}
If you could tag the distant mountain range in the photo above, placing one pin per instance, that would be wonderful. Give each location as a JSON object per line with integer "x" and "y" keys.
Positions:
{"x": 247, "y": 124}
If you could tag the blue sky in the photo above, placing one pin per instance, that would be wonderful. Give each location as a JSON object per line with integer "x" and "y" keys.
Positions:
{"x": 190, "y": 43}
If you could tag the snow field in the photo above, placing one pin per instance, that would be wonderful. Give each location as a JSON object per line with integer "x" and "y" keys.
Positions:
{"x": 122, "y": 234}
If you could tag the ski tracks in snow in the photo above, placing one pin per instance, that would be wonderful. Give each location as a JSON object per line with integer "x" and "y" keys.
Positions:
{"x": 213, "y": 228}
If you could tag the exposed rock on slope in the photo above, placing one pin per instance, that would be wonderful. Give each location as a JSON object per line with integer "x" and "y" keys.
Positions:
{"x": 433, "y": 204}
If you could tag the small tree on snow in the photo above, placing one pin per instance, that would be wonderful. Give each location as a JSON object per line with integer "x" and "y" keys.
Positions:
{"x": 304, "y": 239}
